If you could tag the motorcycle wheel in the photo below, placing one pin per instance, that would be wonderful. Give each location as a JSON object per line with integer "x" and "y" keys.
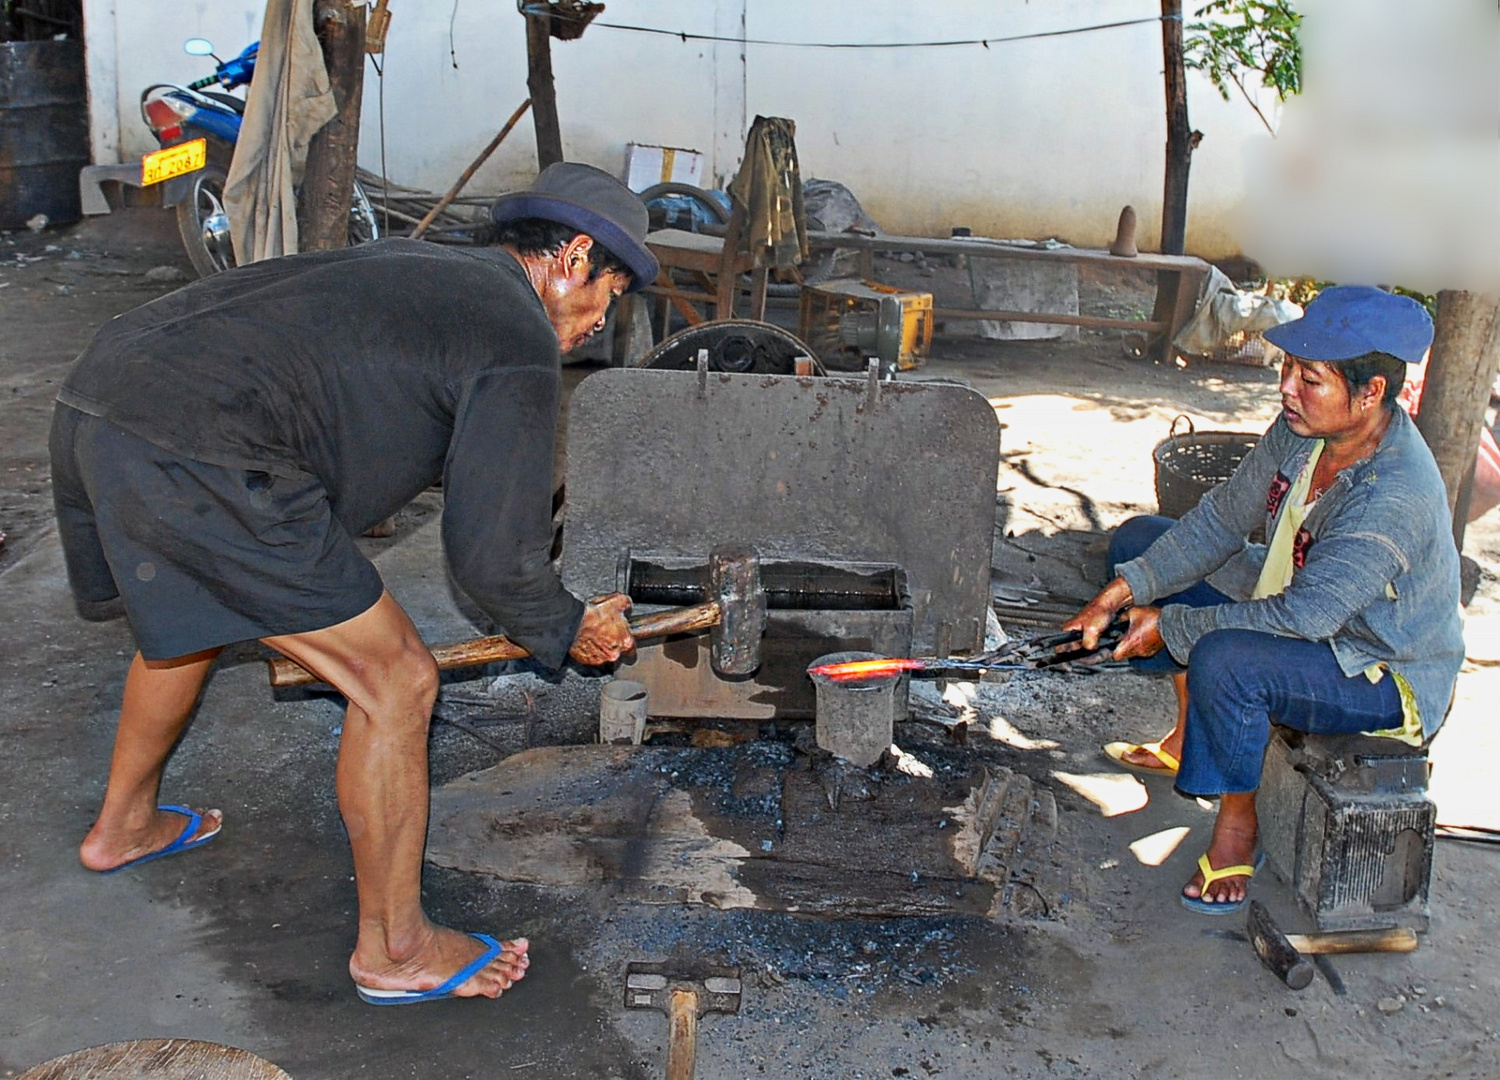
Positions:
{"x": 364, "y": 225}
{"x": 204, "y": 224}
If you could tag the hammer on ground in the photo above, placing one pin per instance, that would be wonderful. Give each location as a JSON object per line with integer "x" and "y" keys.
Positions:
{"x": 735, "y": 619}
{"x": 1284, "y": 955}
{"x": 684, "y": 993}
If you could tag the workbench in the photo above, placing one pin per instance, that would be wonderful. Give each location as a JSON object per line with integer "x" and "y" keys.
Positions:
{"x": 1179, "y": 280}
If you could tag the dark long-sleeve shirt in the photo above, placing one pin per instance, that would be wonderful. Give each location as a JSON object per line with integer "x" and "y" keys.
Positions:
{"x": 377, "y": 370}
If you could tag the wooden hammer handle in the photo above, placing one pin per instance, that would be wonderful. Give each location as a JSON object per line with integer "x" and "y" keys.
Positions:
{"x": 488, "y": 650}
{"x": 1396, "y": 939}
{"x": 682, "y": 1034}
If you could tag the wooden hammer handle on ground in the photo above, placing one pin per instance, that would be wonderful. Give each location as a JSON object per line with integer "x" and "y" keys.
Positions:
{"x": 1397, "y": 939}
{"x": 1286, "y": 954}
{"x": 488, "y": 650}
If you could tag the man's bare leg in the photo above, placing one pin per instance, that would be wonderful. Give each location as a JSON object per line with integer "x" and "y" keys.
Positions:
{"x": 1236, "y": 830}
{"x": 379, "y": 663}
{"x": 1172, "y": 741}
{"x": 158, "y": 701}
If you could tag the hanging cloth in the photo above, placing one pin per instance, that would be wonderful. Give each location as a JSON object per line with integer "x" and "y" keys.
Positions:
{"x": 290, "y": 100}
{"x": 768, "y": 190}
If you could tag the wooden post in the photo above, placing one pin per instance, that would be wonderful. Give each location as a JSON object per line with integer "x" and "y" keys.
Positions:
{"x": 1465, "y": 350}
{"x": 1179, "y": 133}
{"x": 332, "y": 155}
{"x": 543, "y": 91}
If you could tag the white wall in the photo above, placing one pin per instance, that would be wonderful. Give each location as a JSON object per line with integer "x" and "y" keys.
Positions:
{"x": 1037, "y": 138}
{"x": 133, "y": 43}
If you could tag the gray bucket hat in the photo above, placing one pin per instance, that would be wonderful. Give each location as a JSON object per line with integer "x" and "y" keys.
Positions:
{"x": 593, "y": 202}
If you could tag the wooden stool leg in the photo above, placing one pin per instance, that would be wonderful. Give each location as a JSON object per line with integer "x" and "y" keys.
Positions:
{"x": 759, "y": 278}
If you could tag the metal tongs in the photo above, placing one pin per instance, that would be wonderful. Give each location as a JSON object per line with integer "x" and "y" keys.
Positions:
{"x": 1045, "y": 652}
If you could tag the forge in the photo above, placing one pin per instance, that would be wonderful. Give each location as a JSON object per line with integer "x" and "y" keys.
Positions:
{"x": 859, "y": 514}
{"x": 871, "y": 504}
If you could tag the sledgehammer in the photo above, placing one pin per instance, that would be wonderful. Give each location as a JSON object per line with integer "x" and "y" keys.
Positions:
{"x": 1286, "y": 954}
{"x": 684, "y": 993}
{"x": 736, "y": 619}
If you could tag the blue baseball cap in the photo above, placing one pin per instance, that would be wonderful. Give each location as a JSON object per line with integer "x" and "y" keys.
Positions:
{"x": 593, "y": 202}
{"x": 1347, "y": 321}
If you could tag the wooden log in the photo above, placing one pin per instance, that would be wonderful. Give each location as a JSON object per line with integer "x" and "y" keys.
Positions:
{"x": 328, "y": 179}
{"x": 1465, "y": 350}
{"x": 1179, "y": 133}
{"x": 543, "y": 91}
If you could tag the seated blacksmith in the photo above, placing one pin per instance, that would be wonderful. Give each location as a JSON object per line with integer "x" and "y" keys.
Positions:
{"x": 1346, "y": 621}
{"x": 216, "y": 451}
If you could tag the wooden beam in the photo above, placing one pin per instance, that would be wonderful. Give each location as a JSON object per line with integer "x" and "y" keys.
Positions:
{"x": 1456, "y": 391}
{"x": 543, "y": 90}
{"x": 332, "y": 155}
{"x": 1179, "y": 133}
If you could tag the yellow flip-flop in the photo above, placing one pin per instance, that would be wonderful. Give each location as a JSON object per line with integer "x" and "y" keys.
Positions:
{"x": 1116, "y": 752}
{"x": 1210, "y": 875}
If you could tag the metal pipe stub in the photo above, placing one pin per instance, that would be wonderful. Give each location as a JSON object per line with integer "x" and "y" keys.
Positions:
{"x": 855, "y": 719}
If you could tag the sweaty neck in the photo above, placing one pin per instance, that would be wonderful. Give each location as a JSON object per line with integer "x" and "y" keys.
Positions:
{"x": 1348, "y": 447}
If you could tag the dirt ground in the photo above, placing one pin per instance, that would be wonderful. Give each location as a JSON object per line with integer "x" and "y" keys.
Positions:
{"x": 246, "y": 942}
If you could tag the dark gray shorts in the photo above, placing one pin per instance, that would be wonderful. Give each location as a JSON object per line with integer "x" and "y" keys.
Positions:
{"x": 201, "y": 555}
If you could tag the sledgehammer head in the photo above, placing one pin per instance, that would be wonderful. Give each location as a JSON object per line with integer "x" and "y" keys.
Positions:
{"x": 734, "y": 582}
{"x": 1274, "y": 950}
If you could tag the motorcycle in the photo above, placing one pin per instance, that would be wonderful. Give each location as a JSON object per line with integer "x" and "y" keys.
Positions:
{"x": 197, "y": 128}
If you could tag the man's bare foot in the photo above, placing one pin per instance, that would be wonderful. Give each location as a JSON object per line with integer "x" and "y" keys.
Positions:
{"x": 111, "y": 844}
{"x": 1234, "y": 841}
{"x": 435, "y": 959}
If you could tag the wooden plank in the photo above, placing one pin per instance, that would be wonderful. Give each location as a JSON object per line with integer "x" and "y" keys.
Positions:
{"x": 981, "y": 248}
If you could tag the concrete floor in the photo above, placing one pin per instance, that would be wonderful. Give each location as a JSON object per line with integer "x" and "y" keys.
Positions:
{"x": 245, "y": 942}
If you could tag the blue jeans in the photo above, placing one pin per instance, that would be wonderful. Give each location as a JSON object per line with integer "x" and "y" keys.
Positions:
{"x": 1239, "y": 681}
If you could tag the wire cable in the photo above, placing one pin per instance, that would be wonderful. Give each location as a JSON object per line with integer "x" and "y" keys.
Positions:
{"x": 686, "y": 36}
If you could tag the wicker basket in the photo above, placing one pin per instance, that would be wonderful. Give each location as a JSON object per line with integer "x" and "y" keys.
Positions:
{"x": 1188, "y": 465}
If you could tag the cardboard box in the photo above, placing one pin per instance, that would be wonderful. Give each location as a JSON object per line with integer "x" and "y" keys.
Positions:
{"x": 649, "y": 165}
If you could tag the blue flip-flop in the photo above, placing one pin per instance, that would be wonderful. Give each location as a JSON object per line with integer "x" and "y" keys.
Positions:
{"x": 185, "y": 841}
{"x": 492, "y": 948}
{"x": 1210, "y": 875}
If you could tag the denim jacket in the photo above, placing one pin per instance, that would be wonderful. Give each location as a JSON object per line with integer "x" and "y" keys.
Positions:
{"x": 1377, "y": 573}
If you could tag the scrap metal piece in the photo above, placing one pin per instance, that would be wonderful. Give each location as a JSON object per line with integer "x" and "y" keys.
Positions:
{"x": 743, "y": 346}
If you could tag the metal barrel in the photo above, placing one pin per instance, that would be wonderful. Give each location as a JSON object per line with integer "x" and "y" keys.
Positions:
{"x": 44, "y": 131}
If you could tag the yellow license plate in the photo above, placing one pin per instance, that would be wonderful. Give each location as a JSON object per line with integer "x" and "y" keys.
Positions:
{"x": 173, "y": 161}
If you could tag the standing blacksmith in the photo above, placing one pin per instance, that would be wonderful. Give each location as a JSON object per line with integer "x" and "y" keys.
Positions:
{"x": 215, "y": 451}
{"x": 1346, "y": 621}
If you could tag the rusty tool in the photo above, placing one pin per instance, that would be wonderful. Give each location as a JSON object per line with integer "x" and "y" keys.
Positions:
{"x": 684, "y": 993}
{"x": 735, "y": 618}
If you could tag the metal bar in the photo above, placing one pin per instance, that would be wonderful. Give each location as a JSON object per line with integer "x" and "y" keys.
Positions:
{"x": 1097, "y": 322}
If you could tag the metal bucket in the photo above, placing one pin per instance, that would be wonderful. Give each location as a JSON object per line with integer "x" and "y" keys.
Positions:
{"x": 856, "y": 720}
{"x": 623, "y": 706}
{"x": 44, "y": 131}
